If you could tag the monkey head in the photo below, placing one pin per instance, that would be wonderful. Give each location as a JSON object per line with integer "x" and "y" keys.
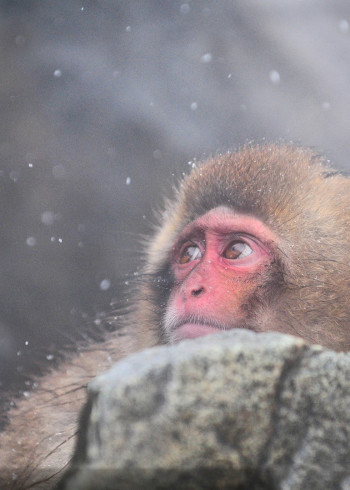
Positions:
{"x": 258, "y": 239}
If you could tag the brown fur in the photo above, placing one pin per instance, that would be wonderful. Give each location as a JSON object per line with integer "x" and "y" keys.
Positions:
{"x": 300, "y": 198}
{"x": 40, "y": 437}
{"x": 306, "y": 204}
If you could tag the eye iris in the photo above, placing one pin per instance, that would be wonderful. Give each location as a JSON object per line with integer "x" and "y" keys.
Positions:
{"x": 190, "y": 253}
{"x": 237, "y": 250}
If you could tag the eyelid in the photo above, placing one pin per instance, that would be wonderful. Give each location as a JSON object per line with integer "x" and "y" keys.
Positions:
{"x": 188, "y": 242}
{"x": 242, "y": 237}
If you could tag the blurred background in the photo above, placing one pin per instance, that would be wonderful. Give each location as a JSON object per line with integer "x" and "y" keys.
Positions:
{"x": 105, "y": 103}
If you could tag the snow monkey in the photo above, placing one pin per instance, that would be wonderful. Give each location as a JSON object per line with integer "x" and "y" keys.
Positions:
{"x": 257, "y": 239}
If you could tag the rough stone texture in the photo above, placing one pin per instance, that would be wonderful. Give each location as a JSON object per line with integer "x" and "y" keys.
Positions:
{"x": 237, "y": 410}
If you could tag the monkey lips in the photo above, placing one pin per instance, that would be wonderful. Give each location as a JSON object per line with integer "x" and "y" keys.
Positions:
{"x": 194, "y": 330}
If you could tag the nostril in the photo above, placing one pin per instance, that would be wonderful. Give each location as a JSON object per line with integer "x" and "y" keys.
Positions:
{"x": 197, "y": 292}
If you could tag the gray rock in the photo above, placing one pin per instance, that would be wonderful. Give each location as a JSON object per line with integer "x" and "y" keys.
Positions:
{"x": 237, "y": 410}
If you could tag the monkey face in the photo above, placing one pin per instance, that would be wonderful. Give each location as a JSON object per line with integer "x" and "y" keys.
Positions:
{"x": 218, "y": 262}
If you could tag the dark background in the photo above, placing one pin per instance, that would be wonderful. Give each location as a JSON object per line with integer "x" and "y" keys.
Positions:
{"x": 104, "y": 103}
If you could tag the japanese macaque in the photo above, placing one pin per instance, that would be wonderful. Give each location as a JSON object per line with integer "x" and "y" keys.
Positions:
{"x": 258, "y": 239}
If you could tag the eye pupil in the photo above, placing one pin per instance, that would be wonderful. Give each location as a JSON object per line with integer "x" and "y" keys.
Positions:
{"x": 189, "y": 253}
{"x": 237, "y": 250}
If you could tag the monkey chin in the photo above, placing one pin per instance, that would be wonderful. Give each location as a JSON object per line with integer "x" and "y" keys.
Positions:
{"x": 194, "y": 330}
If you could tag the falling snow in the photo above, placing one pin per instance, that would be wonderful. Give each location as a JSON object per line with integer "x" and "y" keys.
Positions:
{"x": 14, "y": 175}
{"x": 31, "y": 241}
{"x": 105, "y": 284}
{"x": 206, "y": 58}
{"x": 157, "y": 154}
{"x": 274, "y": 77}
{"x": 185, "y": 8}
{"x": 343, "y": 25}
{"x": 47, "y": 218}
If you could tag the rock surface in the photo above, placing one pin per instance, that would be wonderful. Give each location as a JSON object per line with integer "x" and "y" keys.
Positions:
{"x": 237, "y": 410}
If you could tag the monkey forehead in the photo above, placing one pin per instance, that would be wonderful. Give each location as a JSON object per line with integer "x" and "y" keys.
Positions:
{"x": 224, "y": 220}
{"x": 268, "y": 181}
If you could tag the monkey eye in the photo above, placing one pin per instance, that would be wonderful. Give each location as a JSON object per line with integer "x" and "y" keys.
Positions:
{"x": 237, "y": 250}
{"x": 190, "y": 253}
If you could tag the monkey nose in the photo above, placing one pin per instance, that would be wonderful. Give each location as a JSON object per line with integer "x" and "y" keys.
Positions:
{"x": 197, "y": 291}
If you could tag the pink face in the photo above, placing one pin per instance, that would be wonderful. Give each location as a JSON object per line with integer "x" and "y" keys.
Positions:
{"x": 217, "y": 262}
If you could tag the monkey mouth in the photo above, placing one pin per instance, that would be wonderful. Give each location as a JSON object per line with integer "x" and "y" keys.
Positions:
{"x": 194, "y": 330}
{"x": 193, "y": 327}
